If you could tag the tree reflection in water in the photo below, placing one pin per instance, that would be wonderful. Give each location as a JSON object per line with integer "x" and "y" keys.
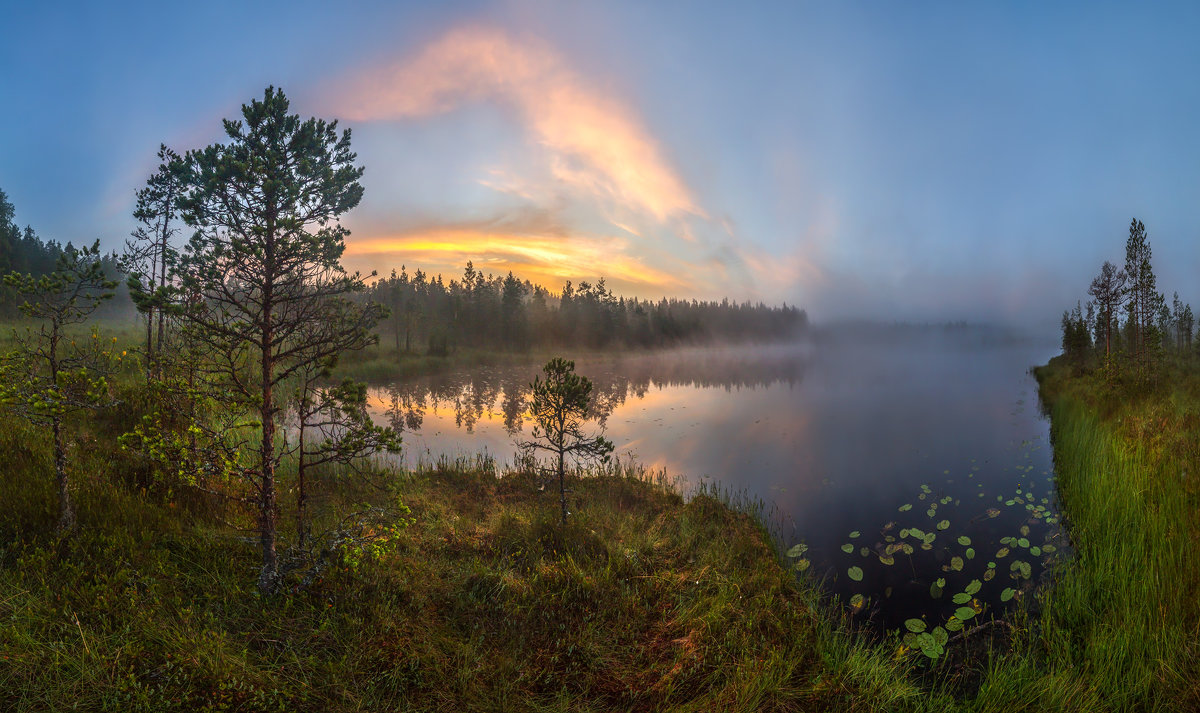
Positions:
{"x": 472, "y": 394}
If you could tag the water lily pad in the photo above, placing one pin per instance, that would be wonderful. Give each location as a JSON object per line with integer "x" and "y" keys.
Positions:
{"x": 1047, "y": 548}
{"x": 935, "y": 589}
{"x": 904, "y": 533}
{"x": 956, "y": 564}
{"x": 914, "y": 532}
{"x": 1024, "y": 530}
{"x": 1001, "y": 553}
{"x": 802, "y": 564}
{"x": 993, "y": 512}
{"x": 954, "y": 624}
{"x": 797, "y": 550}
{"x": 964, "y": 540}
{"x": 857, "y": 601}
{"x": 864, "y": 551}
{"x": 1023, "y": 542}
{"x": 972, "y": 587}
{"x": 905, "y": 507}
{"x": 943, "y": 525}
{"x": 970, "y": 553}
{"x": 855, "y": 534}
{"x": 931, "y": 512}
{"x": 964, "y": 613}
{"x": 1035, "y": 551}
{"x": 886, "y": 559}
{"x": 988, "y": 574}
{"x": 906, "y": 548}
{"x": 940, "y": 636}
{"x": 855, "y": 573}
{"x": 961, "y": 598}
{"x": 916, "y": 626}
{"x": 1007, "y": 594}
{"x": 847, "y": 548}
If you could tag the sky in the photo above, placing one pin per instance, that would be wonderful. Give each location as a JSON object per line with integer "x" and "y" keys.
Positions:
{"x": 899, "y": 161}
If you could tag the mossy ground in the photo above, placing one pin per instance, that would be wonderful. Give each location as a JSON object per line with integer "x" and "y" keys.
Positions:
{"x": 644, "y": 601}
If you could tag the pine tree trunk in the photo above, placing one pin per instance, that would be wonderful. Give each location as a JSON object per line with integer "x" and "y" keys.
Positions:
{"x": 268, "y": 577}
{"x": 562, "y": 488}
{"x": 301, "y": 497}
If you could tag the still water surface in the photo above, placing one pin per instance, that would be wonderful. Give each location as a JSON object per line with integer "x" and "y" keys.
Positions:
{"x": 836, "y": 438}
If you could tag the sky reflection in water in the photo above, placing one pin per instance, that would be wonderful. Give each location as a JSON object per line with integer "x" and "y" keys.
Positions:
{"x": 835, "y": 437}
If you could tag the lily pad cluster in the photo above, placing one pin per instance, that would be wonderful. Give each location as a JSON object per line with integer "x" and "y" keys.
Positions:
{"x": 960, "y": 567}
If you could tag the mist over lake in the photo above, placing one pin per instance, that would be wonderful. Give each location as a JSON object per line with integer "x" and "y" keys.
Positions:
{"x": 832, "y": 435}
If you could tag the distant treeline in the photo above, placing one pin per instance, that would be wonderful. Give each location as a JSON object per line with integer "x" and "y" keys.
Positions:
{"x": 21, "y": 250}
{"x": 428, "y": 314}
{"x": 1127, "y": 329}
{"x": 484, "y": 310}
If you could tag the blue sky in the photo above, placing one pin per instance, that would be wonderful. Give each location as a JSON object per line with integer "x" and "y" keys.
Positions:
{"x": 897, "y": 160}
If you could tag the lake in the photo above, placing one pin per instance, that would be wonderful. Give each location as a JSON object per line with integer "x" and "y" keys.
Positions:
{"x": 912, "y": 464}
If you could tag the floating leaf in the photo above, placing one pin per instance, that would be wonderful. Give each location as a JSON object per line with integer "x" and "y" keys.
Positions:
{"x": 1002, "y": 553}
{"x": 993, "y": 512}
{"x": 802, "y": 564}
{"x": 964, "y": 613}
{"x": 972, "y": 587}
{"x": 797, "y": 550}
{"x": 943, "y": 525}
{"x": 914, "y": 532}
{"x": 904, "y": 533}
{"x": 935, "y": 589}
{"x": 954, "y": 624}
{"x": 855, "y": 573}
{"x": 970, "y": 553}
{"x": 847, "y": 548}
{"x": 941, "y": 582}
{"x": 931, "y": 512}
{"x": 864, "y": 551}
{"x": 1007, "y": 594}
{"x": 1023, "y": 542}
{"x": 916, "y": 626}
{"x": 956, "y": 564}
{"x": 855, "y": 534}
{"x": 940, "y": 636}
{"x": 1035, "y": 551}
{"x": 857, "y": 601}
{"x": 988, "y": 574}
{"x": 887, "y": 559}
{"x": 905, "y": 507}
{"x": 906, "y": 548}
{"x": 1024, "y": 530}
{"x": 1047, "y": 548}
{"x": 964, "y": 540}
{"x": 961, "y": 598}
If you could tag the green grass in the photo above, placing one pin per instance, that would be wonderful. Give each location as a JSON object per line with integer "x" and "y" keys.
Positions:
{"x": 643, "y": 602}
{"x": 1120, "y": 625}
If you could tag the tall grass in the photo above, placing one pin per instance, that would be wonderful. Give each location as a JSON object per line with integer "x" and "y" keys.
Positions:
{"x": 1120, "y": 627}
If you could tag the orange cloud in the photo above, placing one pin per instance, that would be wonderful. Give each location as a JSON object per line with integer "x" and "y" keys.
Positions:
{"x": 547, "y": 260}
{"x": 596, "y": 142}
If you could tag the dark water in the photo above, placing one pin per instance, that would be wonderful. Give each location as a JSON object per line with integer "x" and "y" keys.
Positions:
{"x": 835, "y": 438}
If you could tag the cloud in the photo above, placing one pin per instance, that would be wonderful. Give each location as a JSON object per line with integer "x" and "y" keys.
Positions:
{"x": 530, "y": 249}
{"x": 595, "y": 142}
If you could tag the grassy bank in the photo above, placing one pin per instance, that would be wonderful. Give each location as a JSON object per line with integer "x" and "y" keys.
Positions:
{"x": 643, "y": 602}
{"x": 1119, "y": 629}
